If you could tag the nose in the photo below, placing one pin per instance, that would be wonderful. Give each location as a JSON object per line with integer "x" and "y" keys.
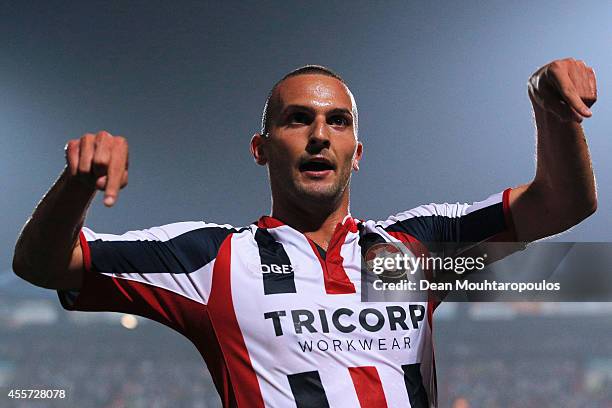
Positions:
{"x": 319, "y": 133}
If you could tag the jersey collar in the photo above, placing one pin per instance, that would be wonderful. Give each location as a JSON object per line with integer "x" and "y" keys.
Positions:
{"x": 266, "y": 221}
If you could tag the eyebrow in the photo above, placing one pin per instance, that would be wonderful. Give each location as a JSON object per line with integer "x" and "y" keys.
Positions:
{"x": 309, "y": 109}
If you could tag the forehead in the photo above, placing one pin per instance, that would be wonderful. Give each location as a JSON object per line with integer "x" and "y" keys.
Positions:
{"x": 314, "y": 90}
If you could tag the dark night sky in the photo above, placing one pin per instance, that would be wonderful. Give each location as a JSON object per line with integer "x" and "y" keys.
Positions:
{"x": 441, "y": 89}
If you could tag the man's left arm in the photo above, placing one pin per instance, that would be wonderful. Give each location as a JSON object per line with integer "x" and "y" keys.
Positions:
{"x": 562, "y": 193}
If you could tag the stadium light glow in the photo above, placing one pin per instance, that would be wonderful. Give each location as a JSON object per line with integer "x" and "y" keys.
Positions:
{"x": 129, "y": 321}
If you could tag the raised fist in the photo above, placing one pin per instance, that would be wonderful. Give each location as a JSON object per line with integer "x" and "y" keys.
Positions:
{"x": 100, "y": 161}
{"x": 565, "y": 87}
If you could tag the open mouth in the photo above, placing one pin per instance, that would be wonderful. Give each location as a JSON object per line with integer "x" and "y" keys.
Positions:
{"x": 316, "y": 166}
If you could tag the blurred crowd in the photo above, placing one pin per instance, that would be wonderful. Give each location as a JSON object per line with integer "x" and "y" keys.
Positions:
{"x": 522, "y": 383}
{"x": 151, "y": 370}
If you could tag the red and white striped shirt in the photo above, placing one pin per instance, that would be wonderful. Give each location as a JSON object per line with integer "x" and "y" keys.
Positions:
{"x": 279, "y": 321}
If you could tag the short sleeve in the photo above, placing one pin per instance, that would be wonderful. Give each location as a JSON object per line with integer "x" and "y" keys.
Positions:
{"x": 163, "y": 273}
{"x": 486, "y": 220}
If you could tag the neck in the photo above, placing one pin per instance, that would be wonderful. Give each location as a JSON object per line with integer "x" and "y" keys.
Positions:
{"x": 316, "y": 220}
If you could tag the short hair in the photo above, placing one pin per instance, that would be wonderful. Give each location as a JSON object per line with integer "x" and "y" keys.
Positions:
{"x": 305, "y": 70}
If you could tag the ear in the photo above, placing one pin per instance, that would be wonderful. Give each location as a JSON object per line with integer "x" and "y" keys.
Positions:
{"x": 257, "y": 149}
{"x": 357, "y": 156}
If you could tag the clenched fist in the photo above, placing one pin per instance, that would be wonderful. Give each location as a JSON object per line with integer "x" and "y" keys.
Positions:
{"x": 565, "y": 87}
{"x": 100, "y": 161}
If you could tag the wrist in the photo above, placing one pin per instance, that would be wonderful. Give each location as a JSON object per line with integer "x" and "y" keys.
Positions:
{"x": 548, "y": 121}
{"x": 75, "y": 185}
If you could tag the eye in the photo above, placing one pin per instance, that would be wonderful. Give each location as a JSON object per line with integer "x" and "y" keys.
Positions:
{"x": 339, "y": 120}
{"x": 299, "y": 117}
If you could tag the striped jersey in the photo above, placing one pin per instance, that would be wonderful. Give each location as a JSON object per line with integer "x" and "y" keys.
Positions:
{"x": 279, "y": 321}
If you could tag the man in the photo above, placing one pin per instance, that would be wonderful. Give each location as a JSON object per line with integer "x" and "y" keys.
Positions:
{"x": 275, "y": 307}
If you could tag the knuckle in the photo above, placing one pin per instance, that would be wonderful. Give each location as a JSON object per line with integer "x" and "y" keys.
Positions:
{"x": 102, "y": 137}
{"x": 71, "y": 144}
{"x": 553, "y": 70}
{"x": 88, "y": 137}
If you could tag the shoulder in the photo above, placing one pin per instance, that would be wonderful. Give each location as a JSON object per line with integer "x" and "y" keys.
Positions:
{"x": 445, "y": 210}
{"x": 450, "y": 210}
{"x": 473, "y": 222}
{"x": 165, "y": 232}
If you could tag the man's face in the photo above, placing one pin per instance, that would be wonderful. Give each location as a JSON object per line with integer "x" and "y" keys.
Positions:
{"x": 312, "y": 147}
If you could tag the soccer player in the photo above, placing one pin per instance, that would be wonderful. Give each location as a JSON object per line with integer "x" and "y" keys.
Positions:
{"x": 274, "y": 307}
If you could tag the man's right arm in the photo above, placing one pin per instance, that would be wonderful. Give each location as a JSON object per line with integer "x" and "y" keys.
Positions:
{"x": 48, "y": 253}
